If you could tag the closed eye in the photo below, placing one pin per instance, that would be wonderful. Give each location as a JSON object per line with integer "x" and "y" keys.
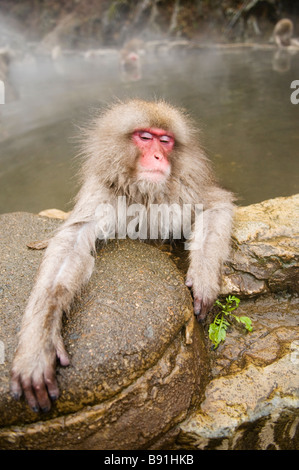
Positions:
{"x": 145, "y": 136}
{"x": 165, "y": 139}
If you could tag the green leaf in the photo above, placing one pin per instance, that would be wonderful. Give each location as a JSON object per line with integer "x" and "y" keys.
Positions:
{"x": 216, "y": 334}
{"x": 247, "y": 322}
{"x": 219, "y": 304}
{"x": 235, "y": 299}
{"x": 225, "y": 322}
{"x": 217, "y": 331}
{"x": 229, "y": 303}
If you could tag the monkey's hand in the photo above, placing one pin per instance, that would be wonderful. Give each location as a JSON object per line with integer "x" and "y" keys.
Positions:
{"x": 204, "y": 293}
{"x": 33, "y": 371}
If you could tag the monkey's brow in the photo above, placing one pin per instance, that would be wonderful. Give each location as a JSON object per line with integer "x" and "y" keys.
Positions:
{"x": 155, "y": 130}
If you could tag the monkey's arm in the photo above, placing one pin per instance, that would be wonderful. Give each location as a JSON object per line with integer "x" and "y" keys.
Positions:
{"x": 66, "y": 267}
{"x": 278, "y": 41}
{"x": 212, "y": 243}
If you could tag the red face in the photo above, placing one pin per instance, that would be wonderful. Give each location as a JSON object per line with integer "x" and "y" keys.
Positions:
{"x": 155, "y": 145}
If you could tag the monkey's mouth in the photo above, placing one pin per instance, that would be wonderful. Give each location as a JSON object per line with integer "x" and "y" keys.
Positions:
{"x": 152, "y": 175}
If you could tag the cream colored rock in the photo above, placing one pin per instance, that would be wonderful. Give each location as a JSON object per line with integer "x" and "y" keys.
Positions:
{"x": 265, "y": 249}
{"x": 55, "y": 214}
{"x": 248, "y": 410}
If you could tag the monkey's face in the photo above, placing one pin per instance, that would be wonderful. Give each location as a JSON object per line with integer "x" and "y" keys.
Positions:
{"x": 140, "y": 147}
{"x": 155, "y": 146}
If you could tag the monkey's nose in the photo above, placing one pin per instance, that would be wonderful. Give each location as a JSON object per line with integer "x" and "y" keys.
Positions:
{"x": 158, "y": 156}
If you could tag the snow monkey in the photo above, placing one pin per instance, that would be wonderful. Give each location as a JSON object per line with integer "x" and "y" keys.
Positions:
{"x": 146, "y": 153}
{"x": 283, "y": 32}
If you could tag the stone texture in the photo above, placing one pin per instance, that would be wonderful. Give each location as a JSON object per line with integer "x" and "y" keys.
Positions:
{"x": 137, "y": 362}
{"x": 255, "y": 408}
{"x": 265, "y": 251}
{"x": 136, "y": 380}
{"x": 252, "y": 400}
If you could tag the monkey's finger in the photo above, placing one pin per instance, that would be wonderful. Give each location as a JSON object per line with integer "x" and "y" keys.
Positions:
{"x": 200, "y": 309}
{"x": 62, "y": 354}
{"x": 197, "y": 305}
{"x": 42, "y": 395}
{"x": 51, "y": 383}
{"x": 29, "y": 395}
{"x": 15, "y": 386}
{"x": 200, "y": 318}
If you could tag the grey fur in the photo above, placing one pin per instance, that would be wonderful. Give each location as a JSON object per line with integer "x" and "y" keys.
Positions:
{"x": 110, "y": 169}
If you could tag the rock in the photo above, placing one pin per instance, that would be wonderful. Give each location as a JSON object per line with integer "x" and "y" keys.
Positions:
{"x": 254, "y": 410}
{"x": 252, "y": 402}
{"x": 140, "y": 383}
{"x": 165, "y": 47}
{"x": 63, "y": 32}
{"x": 8, "y": 92}
{"x": 252, "y": 399}
{"x": 138, "y": 362}
{"x": 265, "y": 252}
{"x": 55, "y": 214}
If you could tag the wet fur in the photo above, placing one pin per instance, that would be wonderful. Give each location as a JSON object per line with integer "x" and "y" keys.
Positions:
{"x": 109, "y": 170}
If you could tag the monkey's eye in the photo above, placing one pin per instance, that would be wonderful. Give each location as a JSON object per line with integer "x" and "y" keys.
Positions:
{"x": 145, "y": 136}
{"x": 165, "y": 139}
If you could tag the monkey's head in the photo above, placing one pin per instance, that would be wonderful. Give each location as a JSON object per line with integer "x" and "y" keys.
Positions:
{"x": 140, "y": 145}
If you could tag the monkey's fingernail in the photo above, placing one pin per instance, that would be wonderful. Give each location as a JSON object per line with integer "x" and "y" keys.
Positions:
{"x": 35, "y": 409}
{"x": 16, "y": 396}
{"x": 46, "y": 409}
{"x": 54, "y": 397}
{"x": 64, "y": 359}
{"x": 199, "y": 319}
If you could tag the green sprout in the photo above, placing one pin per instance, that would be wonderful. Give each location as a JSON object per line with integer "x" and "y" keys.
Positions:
{"x": 217, "y": 329}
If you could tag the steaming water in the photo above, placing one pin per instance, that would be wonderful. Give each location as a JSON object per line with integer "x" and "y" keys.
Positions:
{"x": 239, "y": 99}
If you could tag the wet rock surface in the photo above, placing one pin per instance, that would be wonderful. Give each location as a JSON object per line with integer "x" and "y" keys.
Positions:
{"x": 252, "y": 401}
{"x": 265, "y": 254}
{"x": 135, "y": 364}
{"x": 140, "y": 375}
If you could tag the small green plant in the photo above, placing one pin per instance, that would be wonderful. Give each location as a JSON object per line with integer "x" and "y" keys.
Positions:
{"x": 217, "y": 329}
